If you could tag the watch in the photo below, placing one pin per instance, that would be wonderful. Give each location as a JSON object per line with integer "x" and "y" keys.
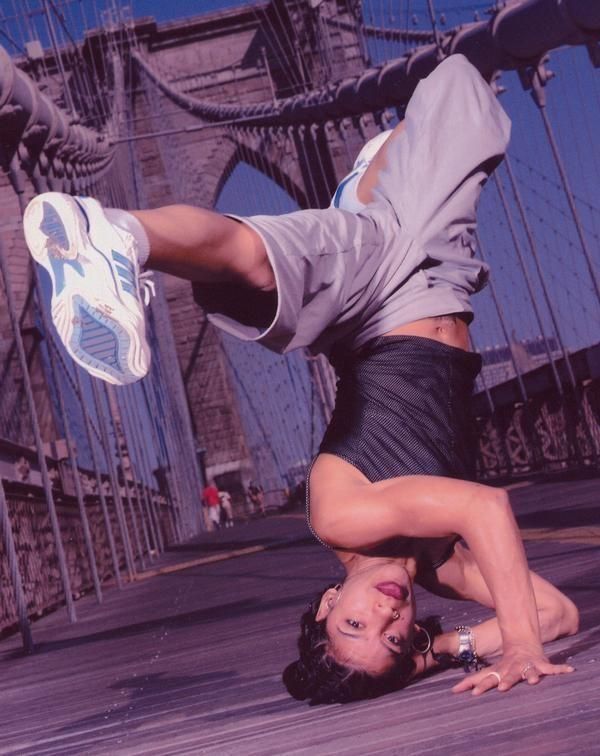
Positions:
{"x": 467, "y": 655}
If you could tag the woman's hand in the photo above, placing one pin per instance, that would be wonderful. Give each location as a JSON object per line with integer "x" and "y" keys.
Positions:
{"x": 519, "y": 663}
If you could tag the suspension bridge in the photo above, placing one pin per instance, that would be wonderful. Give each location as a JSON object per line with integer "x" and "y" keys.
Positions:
{"x": 261, "y": 108}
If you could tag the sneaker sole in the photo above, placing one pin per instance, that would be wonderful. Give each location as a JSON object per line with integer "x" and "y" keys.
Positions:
{"x": 56, "y": 233}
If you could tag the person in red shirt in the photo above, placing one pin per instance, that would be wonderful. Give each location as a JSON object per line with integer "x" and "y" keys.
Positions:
{"x": 210, "y": 500}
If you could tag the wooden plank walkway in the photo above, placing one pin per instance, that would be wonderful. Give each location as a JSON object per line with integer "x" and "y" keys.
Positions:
{"x": 189, "y": 662}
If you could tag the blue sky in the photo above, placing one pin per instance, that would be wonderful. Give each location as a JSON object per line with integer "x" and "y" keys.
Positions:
{"x": 163, "y": 11}
{"x": 574, "y": 109}
{"x": 81, "y": 14}
{"x": 181, "y": 8}
{"x": 573, "y": 106}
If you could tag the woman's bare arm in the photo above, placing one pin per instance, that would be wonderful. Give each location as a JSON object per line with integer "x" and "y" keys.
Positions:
{"x": 350, "y": 513}
{"x": 461, "y": 578}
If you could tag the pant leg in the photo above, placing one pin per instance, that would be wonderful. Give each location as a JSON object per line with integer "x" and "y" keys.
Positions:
{"x": 455, "y": 134}
{"x": 330, "y": 267}
{"x": 345, "y": 278}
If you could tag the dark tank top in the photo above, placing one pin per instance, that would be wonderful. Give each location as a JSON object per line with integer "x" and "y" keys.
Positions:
{"x": 403, "y": 408}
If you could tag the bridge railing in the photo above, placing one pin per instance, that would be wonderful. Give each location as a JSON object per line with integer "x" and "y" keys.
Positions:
{"x": 304, "y": 144}
{"x": 137, "y": 441}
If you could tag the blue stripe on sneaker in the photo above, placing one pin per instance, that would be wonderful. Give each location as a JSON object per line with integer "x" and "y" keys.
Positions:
{"x": 96, "y": 339}
{"x": 117, "y": 256}
{"x": 53, "y": 227}
{"x": 58, "y": 268}
{"x": 122, "y": 260}
{"x": 126, "y": 276}
{"x": 85, "y": 215}
{"x": 128, "y": 288}
{"x": 100, "y": 342}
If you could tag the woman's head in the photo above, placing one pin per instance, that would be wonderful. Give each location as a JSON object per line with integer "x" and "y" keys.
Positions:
{"x": 355, "y": 639}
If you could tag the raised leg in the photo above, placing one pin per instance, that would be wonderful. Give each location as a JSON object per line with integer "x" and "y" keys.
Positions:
{"x": 200, "y": 245}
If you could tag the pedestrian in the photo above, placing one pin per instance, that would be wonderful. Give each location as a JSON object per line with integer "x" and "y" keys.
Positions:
{"x": 226, "y": 508}
{"x": 256, "y": 497}
{"x": 211, "y": 504}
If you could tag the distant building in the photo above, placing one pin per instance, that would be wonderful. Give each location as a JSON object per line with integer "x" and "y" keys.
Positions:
{"x": 499, "y": 363}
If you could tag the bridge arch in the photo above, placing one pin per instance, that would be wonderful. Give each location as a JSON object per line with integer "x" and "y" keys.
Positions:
{"x": 272, "y": 155}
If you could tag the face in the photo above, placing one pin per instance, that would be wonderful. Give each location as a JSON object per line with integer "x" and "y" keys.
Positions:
{"x": 370, "y": 619}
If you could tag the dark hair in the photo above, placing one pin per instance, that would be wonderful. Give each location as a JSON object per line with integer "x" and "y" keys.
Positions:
{"x": 317, "y": 676}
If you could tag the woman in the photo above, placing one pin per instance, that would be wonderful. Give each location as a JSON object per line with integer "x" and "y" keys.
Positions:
{"x": 386, "y": 292}
{"x": 361, "y": 639}
{"x": 402, "y": 413}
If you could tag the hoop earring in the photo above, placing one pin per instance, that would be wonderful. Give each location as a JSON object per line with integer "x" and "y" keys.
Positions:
{"x": 337, "y": 587}
{"x": 426, "y": 648}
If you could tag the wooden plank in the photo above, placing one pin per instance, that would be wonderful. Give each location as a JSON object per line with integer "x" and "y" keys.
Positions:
{"x": 189, "y": 661}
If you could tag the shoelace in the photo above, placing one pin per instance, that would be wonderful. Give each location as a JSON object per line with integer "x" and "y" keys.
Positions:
{"x": 147, "y": 286}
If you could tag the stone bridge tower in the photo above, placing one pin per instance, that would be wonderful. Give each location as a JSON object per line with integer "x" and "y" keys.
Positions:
{"x": 246, "y": 55}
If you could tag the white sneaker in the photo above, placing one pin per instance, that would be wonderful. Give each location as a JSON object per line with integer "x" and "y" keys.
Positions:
{"x": 97, "y": 288}
{"x": 345, "y": 196}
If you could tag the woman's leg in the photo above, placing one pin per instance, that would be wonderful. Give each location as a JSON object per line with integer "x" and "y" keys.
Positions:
{"x": 200, "y": 245}
{"x": 93, "y": 256}
{"x": 557, "y": 615}
{"x": 461, "y": 576}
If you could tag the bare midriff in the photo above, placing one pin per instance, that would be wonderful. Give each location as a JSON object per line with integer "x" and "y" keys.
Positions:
{"x": 449, "y": 329}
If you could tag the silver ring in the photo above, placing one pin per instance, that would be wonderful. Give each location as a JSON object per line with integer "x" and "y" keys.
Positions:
{"x": 525, "y": 670}
{"x": 496, "y": 675}
{"x": 395, "y": 614}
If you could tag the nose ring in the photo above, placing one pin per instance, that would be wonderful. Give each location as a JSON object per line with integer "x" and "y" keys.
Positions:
{"x": 395, "y": 614}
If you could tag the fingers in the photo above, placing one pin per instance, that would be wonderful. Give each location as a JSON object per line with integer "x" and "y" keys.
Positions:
{"x": 532, "y": 673}
{"x": 478, "y": 683}
{"x": 487, "y": 679}
{"x": 555, "y": 669}
{"x": 491, "y": 680}
{"x": 528, "y": 673}
{"x": 465, "y": 684}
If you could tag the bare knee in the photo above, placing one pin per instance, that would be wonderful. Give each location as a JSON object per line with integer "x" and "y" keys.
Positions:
{"x": 569, "y": 617}
{"x": 201, "y": 245}
{"x": 250, "y": 261}
{"x": 558, "y": 617}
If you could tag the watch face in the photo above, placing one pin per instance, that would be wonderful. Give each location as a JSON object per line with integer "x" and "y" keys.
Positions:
{"x": 469, "y": 660}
